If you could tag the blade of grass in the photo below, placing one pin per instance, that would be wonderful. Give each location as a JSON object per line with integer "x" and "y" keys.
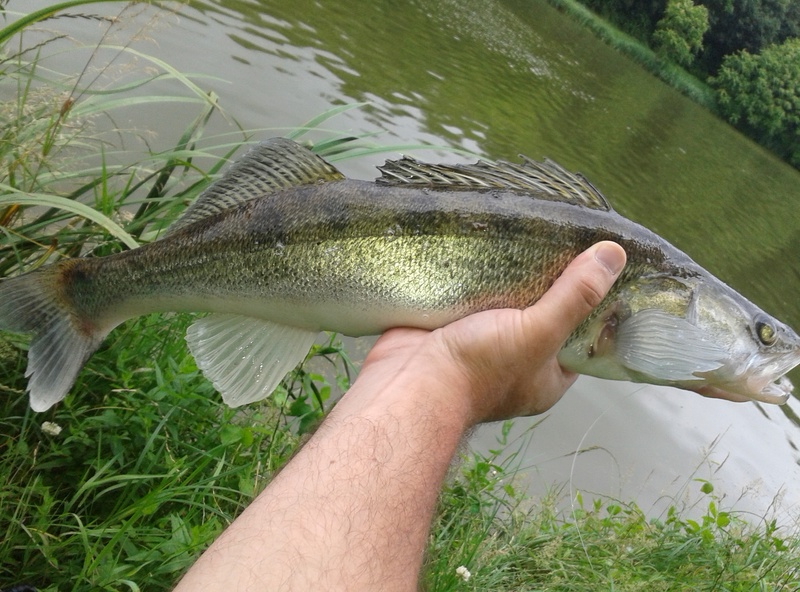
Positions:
{"x": 188, "y": 137}
{"x": 39, "y": 15}
{"x": 313, "y": 123}
{"x": 53, "y": 201}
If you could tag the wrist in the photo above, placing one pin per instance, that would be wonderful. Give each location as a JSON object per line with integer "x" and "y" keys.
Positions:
{"x": 412, "y": 384}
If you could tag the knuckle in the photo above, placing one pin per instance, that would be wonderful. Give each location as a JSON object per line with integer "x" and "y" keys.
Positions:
{"x": 592, "y": 291}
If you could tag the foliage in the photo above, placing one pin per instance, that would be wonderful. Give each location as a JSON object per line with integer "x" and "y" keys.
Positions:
{"x": 679, "y": 35}
{"x": 750, "y": 25}
{"x": 761, "y": 93}
{"x": 732, "y": 24}
{"x": 636, "y": 17}
{"x": 669, "y": 72}
{"x": 505, "y": 543}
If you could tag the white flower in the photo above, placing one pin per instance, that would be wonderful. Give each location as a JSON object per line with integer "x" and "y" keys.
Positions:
{"x": 463, "y": 572}
{"x": 50, "y": 428}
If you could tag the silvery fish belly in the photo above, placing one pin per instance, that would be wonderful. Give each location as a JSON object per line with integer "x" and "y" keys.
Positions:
{"x": 283, "y": 246}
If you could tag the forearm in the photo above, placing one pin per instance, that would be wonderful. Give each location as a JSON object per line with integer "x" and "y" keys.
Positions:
{"x": 374, "y": 467}
{"x": 352, "y": 510}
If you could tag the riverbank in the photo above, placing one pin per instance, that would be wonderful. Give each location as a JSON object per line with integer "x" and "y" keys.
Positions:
{"x": 509, "y": 542}
{"x": 674, "y": 75}
{"x": 123, "y": 487}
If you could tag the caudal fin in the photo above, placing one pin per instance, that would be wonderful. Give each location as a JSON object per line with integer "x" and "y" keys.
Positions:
{"x": 31, "y": 304}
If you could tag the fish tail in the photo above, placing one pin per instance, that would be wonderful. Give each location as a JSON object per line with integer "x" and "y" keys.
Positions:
{"x": 62, "y": 339}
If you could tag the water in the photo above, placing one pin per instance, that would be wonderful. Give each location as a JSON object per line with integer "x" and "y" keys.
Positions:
{"x": 499, "y": 78}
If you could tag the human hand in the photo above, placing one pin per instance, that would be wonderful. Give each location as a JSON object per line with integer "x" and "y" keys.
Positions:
{"x": 503, "y": 363}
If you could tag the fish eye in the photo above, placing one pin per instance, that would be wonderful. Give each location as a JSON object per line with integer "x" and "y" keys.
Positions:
{"x": 766, "y": 333}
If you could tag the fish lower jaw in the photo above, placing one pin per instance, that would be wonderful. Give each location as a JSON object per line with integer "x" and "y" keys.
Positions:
{"x": 774, "y": 393}
{"x": 770, "y": 385}
{"x": 777, "y": 392}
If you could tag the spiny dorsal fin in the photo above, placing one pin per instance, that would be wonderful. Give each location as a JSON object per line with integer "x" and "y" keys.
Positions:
{"x": 270, "y": 166}
{"x": 548, "y": 179}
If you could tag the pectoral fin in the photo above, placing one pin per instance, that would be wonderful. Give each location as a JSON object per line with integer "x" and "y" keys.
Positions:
{"x": 246, "y": 358}
{"x": 667, "y": 348}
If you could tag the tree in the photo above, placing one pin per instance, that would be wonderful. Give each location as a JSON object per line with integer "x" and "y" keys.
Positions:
{"x": 761, "y": 94}
{"x": 636, "y": 17}
{"x": 679, "y": 34}
{"x": 745, "y": 24}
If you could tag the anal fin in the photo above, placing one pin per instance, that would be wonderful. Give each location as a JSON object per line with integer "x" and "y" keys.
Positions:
{"x": 246, "y": 358}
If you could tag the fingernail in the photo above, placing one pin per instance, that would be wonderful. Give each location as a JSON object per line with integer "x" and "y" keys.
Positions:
{"x": 611, "y": 257}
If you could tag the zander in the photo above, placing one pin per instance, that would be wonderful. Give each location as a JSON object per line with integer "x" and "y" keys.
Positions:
{"x": 283, "y": 246}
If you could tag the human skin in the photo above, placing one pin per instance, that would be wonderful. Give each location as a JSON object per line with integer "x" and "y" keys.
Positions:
{"x": 352, "y": 510}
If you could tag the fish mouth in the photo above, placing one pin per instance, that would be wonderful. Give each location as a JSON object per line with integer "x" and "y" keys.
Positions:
{"x": 763, "y": 379}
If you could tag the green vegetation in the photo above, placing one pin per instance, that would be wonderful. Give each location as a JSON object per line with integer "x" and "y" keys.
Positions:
{"x": 745, "y": 50}
{"x": 508, "y": 543}
{"x": 122, "y": 487}
{"x": 679, "y": 35}
{"x": 648, "y": 58}
{"x": 761, "y": 93}
{"x": 733, "y": 25}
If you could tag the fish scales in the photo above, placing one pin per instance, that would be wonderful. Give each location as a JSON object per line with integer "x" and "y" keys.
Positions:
{"x": 357, "y": 244}
{"x": 284, "y": 246}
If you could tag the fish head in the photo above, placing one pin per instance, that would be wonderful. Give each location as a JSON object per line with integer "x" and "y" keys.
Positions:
{"x": 694, "y": 333}
{"x": 760, "y": 349}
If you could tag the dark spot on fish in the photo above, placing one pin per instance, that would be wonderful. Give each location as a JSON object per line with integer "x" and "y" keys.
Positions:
{"x": 74, "y": 273}
{"x": 80, "y": 275}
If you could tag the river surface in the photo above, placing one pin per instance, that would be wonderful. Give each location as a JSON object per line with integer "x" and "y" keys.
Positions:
{"x": 502, "y": 78}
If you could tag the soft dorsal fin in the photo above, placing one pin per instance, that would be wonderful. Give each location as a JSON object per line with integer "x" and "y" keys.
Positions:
{"x": 270, "y": 166}
{"x": 548, "y": 179}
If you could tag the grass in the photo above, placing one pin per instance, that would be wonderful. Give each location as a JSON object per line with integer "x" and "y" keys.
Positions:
{"x": 122, "y": 487}
{"x": 507, "y": 541}
{"x": 669, "y": 72}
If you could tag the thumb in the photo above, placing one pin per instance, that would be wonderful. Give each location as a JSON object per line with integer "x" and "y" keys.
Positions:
{"x": 579, "y": 289}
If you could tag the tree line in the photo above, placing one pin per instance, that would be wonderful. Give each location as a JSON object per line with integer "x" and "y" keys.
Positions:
{"x": 748, "y": 51}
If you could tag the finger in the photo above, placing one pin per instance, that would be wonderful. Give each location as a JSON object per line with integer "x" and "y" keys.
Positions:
{"x": 579, "y": 289}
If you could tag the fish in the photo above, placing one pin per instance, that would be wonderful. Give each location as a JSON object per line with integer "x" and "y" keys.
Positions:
{"x": 283, "y": 246}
